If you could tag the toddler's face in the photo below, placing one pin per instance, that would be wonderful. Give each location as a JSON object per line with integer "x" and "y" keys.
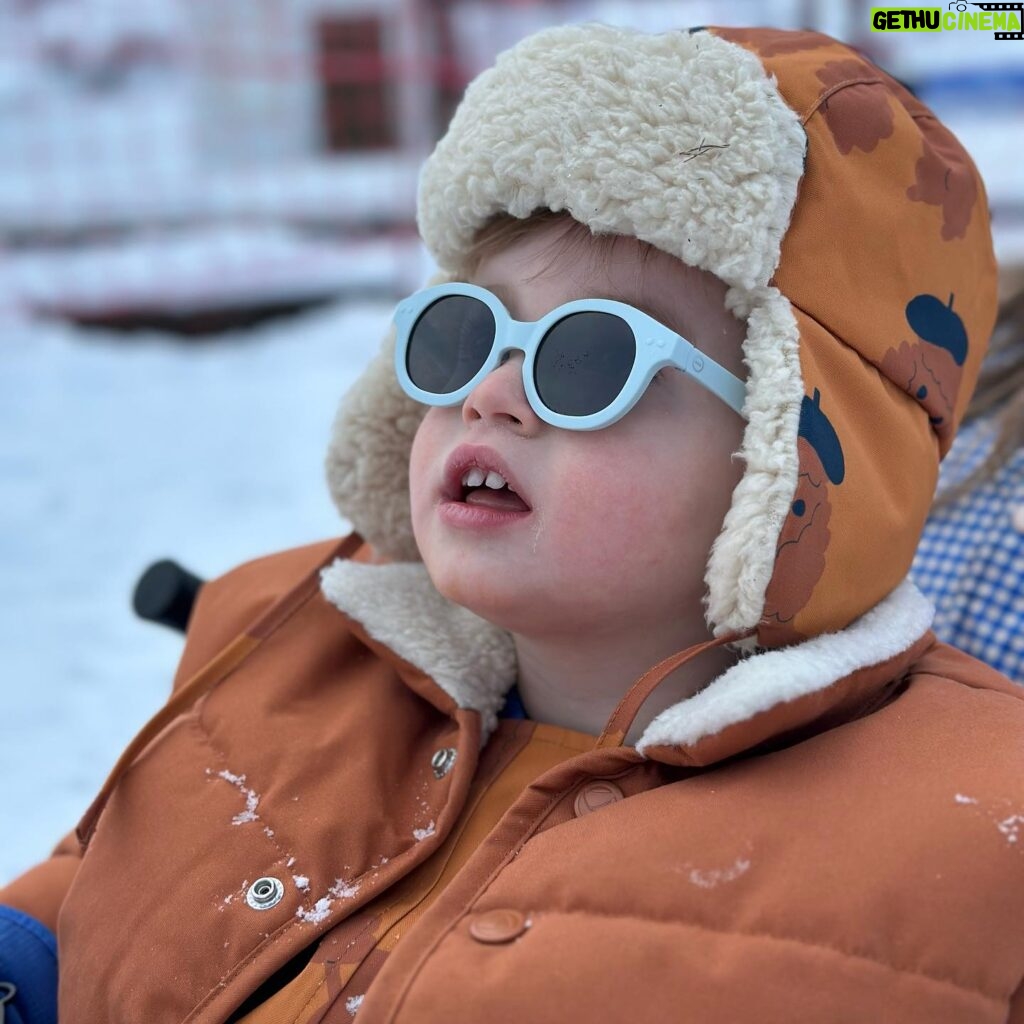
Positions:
{"x": 621, "y": 519}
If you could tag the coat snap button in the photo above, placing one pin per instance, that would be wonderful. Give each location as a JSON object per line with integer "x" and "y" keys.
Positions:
{"x": 442, "y": 761}
{"x": 265, "y": 893}
{"x": 497, "y": 926}
{"x": 595, "y": 795}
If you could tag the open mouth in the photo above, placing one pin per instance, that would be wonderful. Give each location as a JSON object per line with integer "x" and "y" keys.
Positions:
{"x": 477, "y": 476}
{"x": 490, "y": 491}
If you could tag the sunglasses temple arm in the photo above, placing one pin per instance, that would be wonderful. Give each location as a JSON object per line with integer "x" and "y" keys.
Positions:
{"x": 717, "y": 379}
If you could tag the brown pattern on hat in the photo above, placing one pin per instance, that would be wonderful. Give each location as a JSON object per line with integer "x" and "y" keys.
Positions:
{"x": 856, "y": 117}
{"x": 800, "y": 556}
{"x": 900, "y": 389}
{"x": 770, "y": 42}
{"x": 805, "y": 535}
{"x": 944, "y": 179}
{"x": 930, "y": 367}
{"x": 921, "y": 370}
{"x": 912, "y": 104}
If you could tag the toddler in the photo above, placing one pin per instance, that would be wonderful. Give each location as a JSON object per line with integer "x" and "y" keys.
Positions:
{"x": 618, "y": 704}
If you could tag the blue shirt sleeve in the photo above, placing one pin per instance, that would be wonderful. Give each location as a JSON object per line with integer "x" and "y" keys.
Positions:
{"x": 28, "y": 970}
{"x": 513, "y": 707}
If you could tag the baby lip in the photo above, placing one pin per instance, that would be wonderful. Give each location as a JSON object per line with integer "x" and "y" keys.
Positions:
{"x": 465, "y": 458}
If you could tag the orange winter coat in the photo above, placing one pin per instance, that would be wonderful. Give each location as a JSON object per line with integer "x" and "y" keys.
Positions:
{"x": 853, "y": 854}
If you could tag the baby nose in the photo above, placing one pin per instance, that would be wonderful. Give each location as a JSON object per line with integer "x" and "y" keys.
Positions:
{"x": 500, "y": 397}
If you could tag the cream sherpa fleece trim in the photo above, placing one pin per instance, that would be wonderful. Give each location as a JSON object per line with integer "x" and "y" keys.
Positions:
{"x": 775, "y": 677}
{"x": 743, "y": 556}
{"x": 368, "y": 457}
{"x": 367, "y": 463}
{"x": 399, "y": 606}
{"x": 620, "y": 128}
{"x": 474, "y": 662}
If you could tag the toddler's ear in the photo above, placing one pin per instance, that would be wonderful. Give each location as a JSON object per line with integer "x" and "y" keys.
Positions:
{"x": 367, "y": 462}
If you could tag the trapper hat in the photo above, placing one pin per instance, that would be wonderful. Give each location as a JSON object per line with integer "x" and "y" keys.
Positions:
{"x": 851, "y": 228}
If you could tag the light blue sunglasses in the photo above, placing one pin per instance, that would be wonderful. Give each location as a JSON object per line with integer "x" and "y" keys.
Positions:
{"x": 586, "y": 363}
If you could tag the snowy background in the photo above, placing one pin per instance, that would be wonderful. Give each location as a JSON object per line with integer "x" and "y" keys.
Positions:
{"x": 114, "y": 453}
{"x": 171, "y": 166}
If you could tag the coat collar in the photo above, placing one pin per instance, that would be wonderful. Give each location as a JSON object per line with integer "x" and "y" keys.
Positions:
{"x": 765, "y": 695}
{"x": 398, "y": 605}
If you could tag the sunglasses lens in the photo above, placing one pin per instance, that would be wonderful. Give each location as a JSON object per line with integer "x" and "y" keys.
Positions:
{"x": 449, "y": 343}
{"x": 583, "y": 363}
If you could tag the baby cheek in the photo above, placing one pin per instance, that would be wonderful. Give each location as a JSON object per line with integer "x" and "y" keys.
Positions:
{"x": 423, "y": 456}
{"x": 606, "y": 510}
{"x": 415, "y": 480}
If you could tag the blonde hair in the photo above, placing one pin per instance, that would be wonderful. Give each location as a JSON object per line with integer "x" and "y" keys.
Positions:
{"x": 503, "y": 230}
{"x": 1000, "y": 391}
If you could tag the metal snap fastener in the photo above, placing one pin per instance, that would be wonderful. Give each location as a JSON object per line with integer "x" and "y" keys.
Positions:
{"x": 442, "y": 761}
{"x": 497, "y": 926}
{"x": 594, "y": 796}
{"x": 265, "y": 893}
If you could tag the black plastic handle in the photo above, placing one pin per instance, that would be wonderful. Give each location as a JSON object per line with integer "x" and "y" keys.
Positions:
{"x": 166, "y": 593}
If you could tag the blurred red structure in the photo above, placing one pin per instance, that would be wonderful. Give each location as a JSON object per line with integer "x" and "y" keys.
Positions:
{"x": 193, "y": 164}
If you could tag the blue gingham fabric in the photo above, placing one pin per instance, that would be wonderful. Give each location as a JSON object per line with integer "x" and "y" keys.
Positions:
{"x": 970, "y": 561}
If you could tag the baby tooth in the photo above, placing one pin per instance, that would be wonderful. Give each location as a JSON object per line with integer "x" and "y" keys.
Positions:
{"x": 473, "y": 478}
{"x": 495, "y": 480}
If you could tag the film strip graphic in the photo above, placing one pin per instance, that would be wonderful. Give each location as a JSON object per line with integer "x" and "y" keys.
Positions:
{"x": 1018, "y": 7}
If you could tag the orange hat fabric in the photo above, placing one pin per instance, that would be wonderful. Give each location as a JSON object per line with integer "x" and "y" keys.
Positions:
{"x": 888, "y": 268}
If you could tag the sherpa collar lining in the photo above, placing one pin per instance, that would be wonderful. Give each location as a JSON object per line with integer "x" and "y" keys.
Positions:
{"x": 474, "y": 662}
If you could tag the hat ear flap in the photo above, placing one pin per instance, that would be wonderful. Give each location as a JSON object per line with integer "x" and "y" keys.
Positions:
{"x": 367, "y": 462}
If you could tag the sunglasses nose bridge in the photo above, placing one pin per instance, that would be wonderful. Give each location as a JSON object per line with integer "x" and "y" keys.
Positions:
{"x": 503, "y": 397}
{"x": 515, "y": 338}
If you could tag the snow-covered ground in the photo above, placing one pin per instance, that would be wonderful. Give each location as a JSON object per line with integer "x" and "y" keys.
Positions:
{"x": 116, "y": 451}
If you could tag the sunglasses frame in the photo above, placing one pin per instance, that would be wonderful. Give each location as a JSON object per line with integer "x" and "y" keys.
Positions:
{"x": 657, "y": 346}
